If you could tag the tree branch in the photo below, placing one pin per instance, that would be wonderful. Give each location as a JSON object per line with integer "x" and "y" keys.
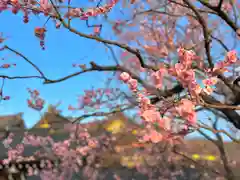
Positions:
{"x": 220, "y": 145}
{"x": 101, "y": 113}
{"x": 219, "y": 131}
{"x": 27, "y": 60}
{"x": 134, "y": 51}
{"x": 21, "y": 77}
{"x": 205, "y": 32}
{"x": 221, "y": 14}
{"x": 219, "y": 106}
{"x": 231, "y": 114}
{"x": 167, "y": 93}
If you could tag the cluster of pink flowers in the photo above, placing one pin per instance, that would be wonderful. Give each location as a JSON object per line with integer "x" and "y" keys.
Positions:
{"x": 230, "y": 59}
{"x": 96, "y": 99}
{"x": 91, "y": 12}
{"x": 183, "y": 71}
{"x": 40, "y": 33}
{"x": 6, "y": 66}
{"x": 35, "y": 102}
{"x": 45, "y": 7}
{"x": 80, "y": 150}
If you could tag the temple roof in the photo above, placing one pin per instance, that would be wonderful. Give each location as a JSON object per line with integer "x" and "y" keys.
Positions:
{"x": 52, "y": 117}
{"x": 12, "y": 121}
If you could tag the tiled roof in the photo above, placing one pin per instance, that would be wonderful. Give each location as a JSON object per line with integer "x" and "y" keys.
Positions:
{"x": 52, "y": 119}
{"x": 15, "y": 121}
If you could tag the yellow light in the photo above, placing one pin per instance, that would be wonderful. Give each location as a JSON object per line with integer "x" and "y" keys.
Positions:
{"x": 196, "y": 156}
{"x": 45, "y": 126}
{"x": 124, "y": 160}
{"x": 115, "y": 127}
{"x": 210, "y": 158}
{"x": 127, "y": 161}
{"x": 134, "y": 132}
{"x": 52, "y": 131}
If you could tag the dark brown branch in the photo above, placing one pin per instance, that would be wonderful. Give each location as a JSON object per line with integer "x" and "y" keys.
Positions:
{"x": 21, "y": 77}
{"x": 220, "y": 42}
{"x": 220, "y": 4}
{"x": 214, "y": 131}
{"x": 205, "y": 32}
{"x": 27, "y": 60}
{"x": 208, "y": 41}
{"x": 232, "y": 115}
{"x": 221, "y": 14}
{"x": 220, "y": 145}
{"x": 167, "y": 93}
{"x": 96, "y": 67}
{"x": 134, "y": 51}
{"x": 101, "y": 114}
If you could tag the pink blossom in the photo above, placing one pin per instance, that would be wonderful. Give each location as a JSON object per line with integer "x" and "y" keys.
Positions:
{"x": 231, "y": 57}
{"x": 153, "y": 136}
{"x": 210, "y": 81}
{"x": 186, "y": 57}
{"x": 227, "y": 7}
{"x": 186, "y": 110}
{"x": 192, "y": 117}
{"x": 133, "y": 84}
{"x": 125, "y": 77}
{"x": 151, "y": 115}
{"x": 186, "y": 106}
{"x": 158, "y": 77}
{"x": 166, "y": 121}
{"x": 208, "y": 90}
{"x": 179, "y": 69}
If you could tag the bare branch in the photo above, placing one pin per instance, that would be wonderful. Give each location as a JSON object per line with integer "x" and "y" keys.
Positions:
{"x": 134, "y": 51}
{"x": 221, "y": 14}
{"x": 231, "y": 114}
{"x": 101, "y": 114}
{"x": 220, "y": 145}
{"x": 219, "y": 106}
{"x": 219, "y": 131}
{"x": 21, "y": 77}
{"x": 27, "y": 60}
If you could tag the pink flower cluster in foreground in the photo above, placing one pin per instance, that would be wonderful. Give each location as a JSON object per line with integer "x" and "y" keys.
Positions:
{"x": 79, "y": 151}
{"x": 185, "y": 109}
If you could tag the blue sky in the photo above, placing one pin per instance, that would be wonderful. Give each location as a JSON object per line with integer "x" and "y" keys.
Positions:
{"x": 62, "y": 50}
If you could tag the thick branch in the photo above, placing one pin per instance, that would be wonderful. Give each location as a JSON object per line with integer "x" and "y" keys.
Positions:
{"x": 167, "y": 93}
{"x": 232, "y": 115}
{"x": 221, "y": 14}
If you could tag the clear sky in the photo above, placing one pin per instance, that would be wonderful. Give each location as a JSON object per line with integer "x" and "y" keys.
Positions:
{"x": 62, "y": 50}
